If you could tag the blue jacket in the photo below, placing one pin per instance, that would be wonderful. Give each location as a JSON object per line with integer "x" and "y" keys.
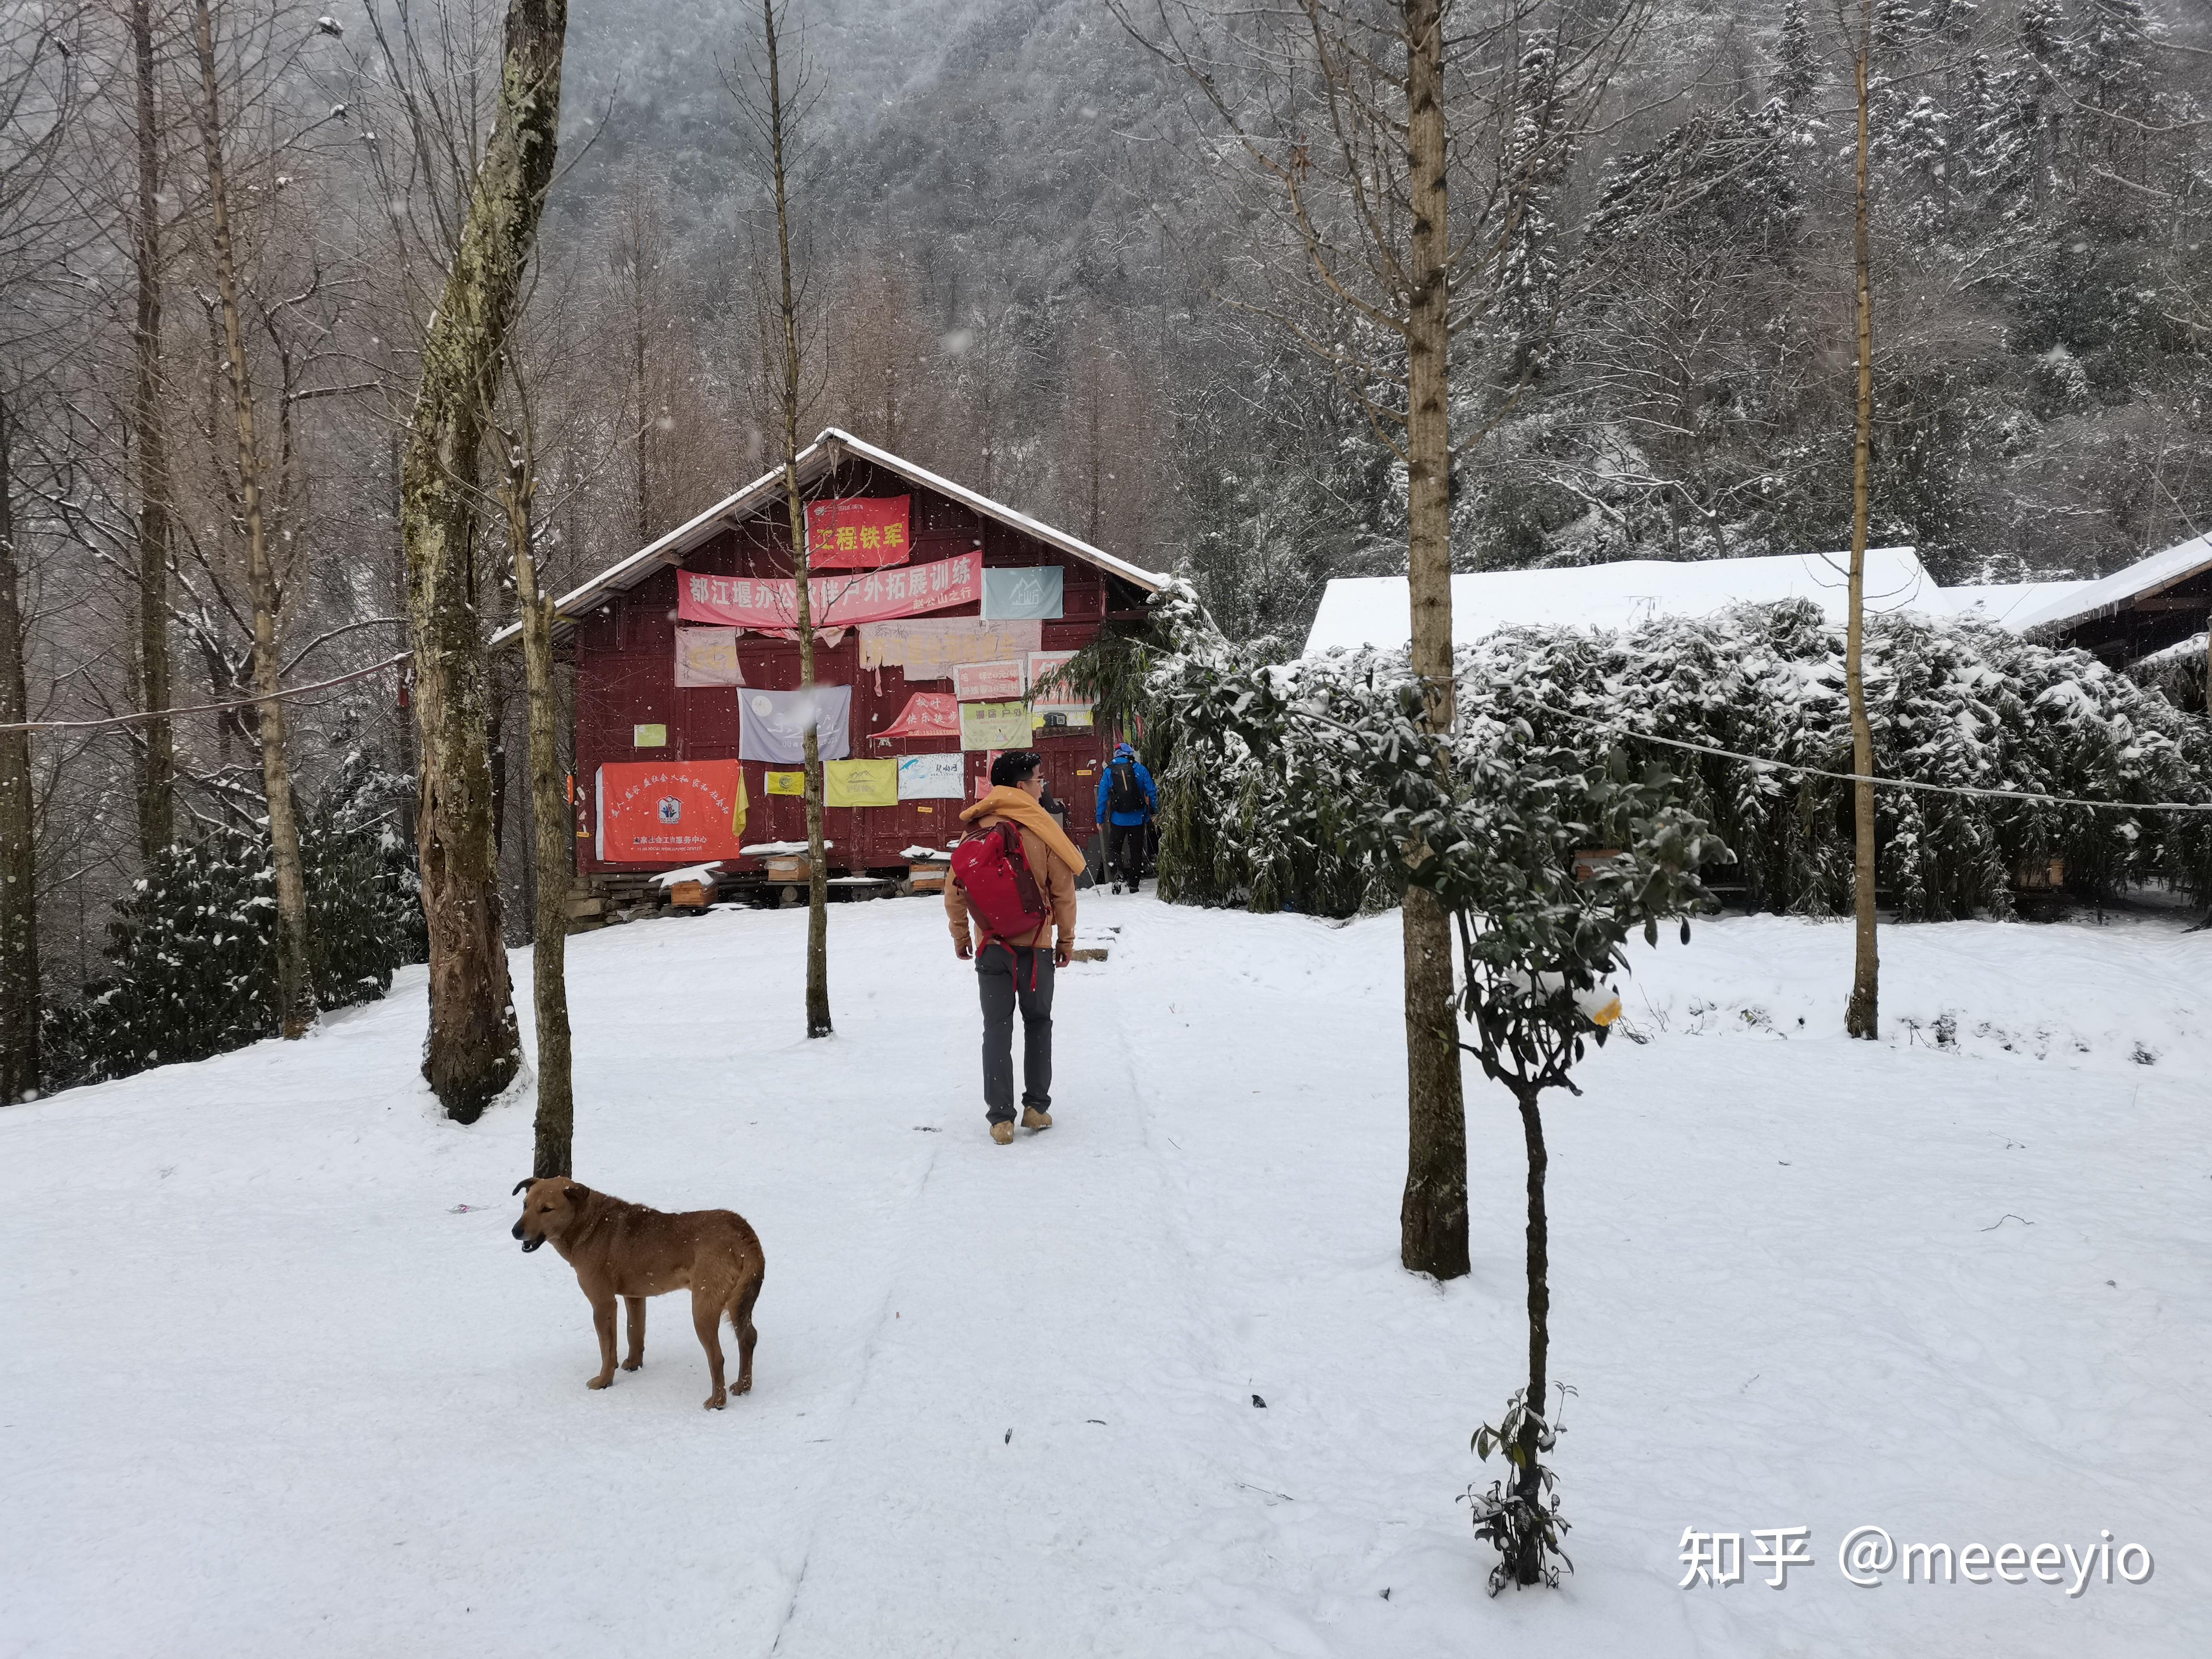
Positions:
{"x": 1144, "y": 781}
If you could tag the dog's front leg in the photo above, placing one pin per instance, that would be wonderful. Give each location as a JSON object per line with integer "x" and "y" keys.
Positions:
{"x": 603, "y": 1320}
{"x": 637, "y": 1333}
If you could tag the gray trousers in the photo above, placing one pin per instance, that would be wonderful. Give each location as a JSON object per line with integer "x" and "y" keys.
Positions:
{"x": 1003, "y": 974}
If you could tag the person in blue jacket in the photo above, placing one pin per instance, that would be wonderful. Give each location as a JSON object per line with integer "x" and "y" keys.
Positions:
{"x": 1126, "y": 802}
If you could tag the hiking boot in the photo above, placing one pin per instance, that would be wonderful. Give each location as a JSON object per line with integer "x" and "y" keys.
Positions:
{"x": 1003, "y": 1133}
{"x": 1033, "y": 1119}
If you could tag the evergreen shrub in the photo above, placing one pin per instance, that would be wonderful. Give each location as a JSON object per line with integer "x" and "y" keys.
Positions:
{"x": 1952, "y": 703}
{"x": 192, "y": 948}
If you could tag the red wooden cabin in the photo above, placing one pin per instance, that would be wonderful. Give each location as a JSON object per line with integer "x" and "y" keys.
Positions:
{"x": 656, "y": 761}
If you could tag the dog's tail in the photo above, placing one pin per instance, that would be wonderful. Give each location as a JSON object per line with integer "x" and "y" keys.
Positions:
{"x": 741, "y": 1310}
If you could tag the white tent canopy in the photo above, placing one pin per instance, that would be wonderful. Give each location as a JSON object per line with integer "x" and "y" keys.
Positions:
{"x": 1374, "y": 611}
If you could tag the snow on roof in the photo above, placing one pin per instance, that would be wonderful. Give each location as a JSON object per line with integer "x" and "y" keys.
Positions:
{"x": 1373, "y": 611}
{"x": 2090, "y": 600}
{"x": 820, "y": 456}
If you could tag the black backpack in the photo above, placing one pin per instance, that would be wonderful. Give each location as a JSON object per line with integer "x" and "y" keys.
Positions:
{"x": 1125, "y": 794}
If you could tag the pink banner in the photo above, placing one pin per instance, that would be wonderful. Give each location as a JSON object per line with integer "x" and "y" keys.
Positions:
{"x": 837, "y": 601}
{"x": 926, "y": 715}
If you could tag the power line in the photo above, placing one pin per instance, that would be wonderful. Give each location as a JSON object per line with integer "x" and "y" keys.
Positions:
{"x": 145, "y": 714}
{"x": 2031, "y": 796}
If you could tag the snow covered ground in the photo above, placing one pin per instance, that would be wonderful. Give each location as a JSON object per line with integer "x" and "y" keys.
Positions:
{"x": 277, "y": 1380}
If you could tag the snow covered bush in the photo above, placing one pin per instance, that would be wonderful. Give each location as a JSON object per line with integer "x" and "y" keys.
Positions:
{"x": 1952, "y": 703}
{"x": 191, "y": 947}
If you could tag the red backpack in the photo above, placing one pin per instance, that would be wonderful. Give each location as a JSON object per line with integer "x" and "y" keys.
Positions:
{"x": 994, "y": 870}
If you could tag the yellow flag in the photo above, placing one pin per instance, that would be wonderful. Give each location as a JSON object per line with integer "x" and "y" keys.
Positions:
{"x": 861, "y": 782}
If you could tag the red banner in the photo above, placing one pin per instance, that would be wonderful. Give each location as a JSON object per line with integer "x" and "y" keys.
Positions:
{"x": 926, "y": 715}
{"x": 768, "y": 602}
{"x": 861, "y": 533}
{"x": 670, "y": 812}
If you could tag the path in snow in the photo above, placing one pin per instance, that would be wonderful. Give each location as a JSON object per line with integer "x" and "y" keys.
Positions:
{"x": 269, "y": 1390}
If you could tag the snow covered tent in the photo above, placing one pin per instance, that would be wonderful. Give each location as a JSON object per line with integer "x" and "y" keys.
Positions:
{"x": 934, "y": 608}
{"x": 2155, "y": 603}
{"x": 1375, "y": 611}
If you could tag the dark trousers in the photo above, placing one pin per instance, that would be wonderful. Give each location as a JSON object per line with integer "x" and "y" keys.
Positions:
{"x": 1005, "y": 976}
{"x": 1125, "y": 853}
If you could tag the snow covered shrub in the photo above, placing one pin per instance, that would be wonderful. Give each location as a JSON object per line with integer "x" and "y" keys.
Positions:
{"x": 1268, "y": 833}
{"x": 191, "y": 947}
{"x": 194, "y": 967}
{"x": 1952, "y": 703}
{"x": 364, "y": 887}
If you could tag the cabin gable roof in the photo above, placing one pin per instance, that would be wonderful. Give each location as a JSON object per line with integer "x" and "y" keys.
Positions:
{"x": 817, "y": 460}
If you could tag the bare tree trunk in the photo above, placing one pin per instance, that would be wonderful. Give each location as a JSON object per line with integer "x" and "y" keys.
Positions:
{"x": 817, "y": 883}
{"x": 1433, "y": 1220}
{"x": 473, "y": 1049}
{"x": 157, "y": 760}
{"x": 19, "y": 852}
{"x": 1861, "y": 1018}
{"x": 1095, "y": 436}
{"x": 1530, "y": 1569}
{"x": 549, "y": 822}
{"x": 295, "y": 1001}
{"x": 644, "y": 520}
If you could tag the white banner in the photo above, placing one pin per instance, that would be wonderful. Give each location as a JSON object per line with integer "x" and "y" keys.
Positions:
{"x": 930, "y": 777}
{"x": 772, "y": 725}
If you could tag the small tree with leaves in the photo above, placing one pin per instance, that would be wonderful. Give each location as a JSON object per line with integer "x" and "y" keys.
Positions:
{"x": 1539, "y": 938}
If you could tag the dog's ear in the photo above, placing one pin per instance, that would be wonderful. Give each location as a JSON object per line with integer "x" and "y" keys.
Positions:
{"x": 577, "y": 1192}
{"x": 526, "y": 1181}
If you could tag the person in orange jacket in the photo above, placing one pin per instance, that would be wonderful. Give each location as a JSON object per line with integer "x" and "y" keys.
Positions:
{"x": 1017, "y": 974}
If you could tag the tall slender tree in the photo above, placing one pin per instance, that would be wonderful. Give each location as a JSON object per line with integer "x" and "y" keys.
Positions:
{"x": 773, "y": 103}
{"x": 41, "y": 224}
{"x": 19, "y": 860}
{"x": 294, "y": 999}
{"x": 157, "y": 762}
{"x": 1387, "y": 267}
{"x": 1861, "y": 1015}
{"x": 552, "y": 839}
{"x": 473, "y": 1050}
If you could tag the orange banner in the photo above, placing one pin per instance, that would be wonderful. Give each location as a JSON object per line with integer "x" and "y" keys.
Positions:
{"x": 670, "y": 812}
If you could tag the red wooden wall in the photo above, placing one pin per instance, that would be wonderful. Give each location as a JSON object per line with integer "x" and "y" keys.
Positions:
{"x": 625, "y": 655}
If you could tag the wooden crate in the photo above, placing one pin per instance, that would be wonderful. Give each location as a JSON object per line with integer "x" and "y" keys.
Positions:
{"x": 928, "y": 877}
{"x": 690, "y": 895}
{"x": 788, "y": 867}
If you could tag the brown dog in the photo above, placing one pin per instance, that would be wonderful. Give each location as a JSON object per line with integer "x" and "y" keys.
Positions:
{"x": 627, "y": 1250}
